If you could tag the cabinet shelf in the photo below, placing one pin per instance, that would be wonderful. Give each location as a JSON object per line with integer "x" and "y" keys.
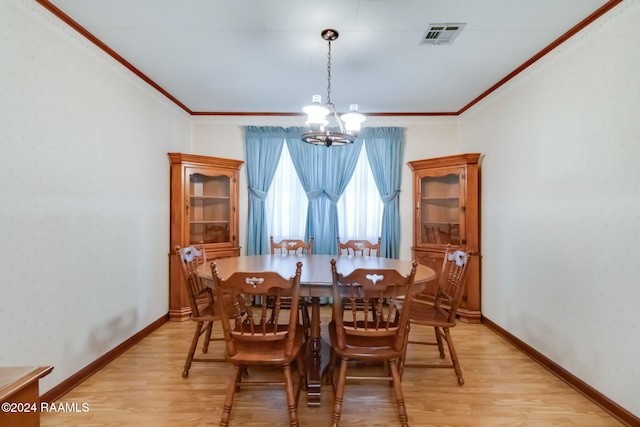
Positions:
{"x": 452, "y": 223}
{"x": 208, "y": 222}
{"x": 210, "y": 197}
{"x": 440, "y": 198}
{"x": 450, "y": 205}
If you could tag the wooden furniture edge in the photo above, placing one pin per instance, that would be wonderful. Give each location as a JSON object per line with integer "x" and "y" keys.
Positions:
{"x": 188, "y": 159}
{"x": 23, "y": 380}
{"x": 445, "y": 161}
{"x": 180, "y": 314}
{"x": 583, "y": 388}
{"x": 67, "y": 385}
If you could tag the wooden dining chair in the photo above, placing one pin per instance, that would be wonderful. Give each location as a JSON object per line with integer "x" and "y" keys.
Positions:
{"x": 441, "y": 312}
{"x": 374, "y": 333}
{"x": 201, "y": 300}
{"x": 291, "y": 246}
{"x": 294, "y": 247}
{"x": 252, "y": 339}
{"x": 359, "y": 247}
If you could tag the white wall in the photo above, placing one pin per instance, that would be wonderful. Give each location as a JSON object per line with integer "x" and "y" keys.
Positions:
{"x": 561, "y": 204}
{"x": 425, "y": 137}
{"x": 84, "y": 195}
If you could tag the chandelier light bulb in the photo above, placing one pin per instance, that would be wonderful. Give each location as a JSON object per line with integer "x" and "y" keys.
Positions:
{"x": 352, "y": 120}
{"x": 316, "y": 114}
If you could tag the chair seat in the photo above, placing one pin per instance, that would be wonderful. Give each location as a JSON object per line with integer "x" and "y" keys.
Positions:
{"x": 209, "y": 312}
{"x": 271, "y": 352}
{"x": 421, "y": 312}
{"x": 427, "y": 298}
{"x": 364, "y": 347}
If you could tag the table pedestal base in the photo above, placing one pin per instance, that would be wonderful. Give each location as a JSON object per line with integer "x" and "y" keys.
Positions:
{"x": 316, "y": 356}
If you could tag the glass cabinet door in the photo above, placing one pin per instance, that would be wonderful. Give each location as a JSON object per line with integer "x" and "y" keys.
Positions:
{"x": 209, "y": 208}
{"x": 440, "y": 212}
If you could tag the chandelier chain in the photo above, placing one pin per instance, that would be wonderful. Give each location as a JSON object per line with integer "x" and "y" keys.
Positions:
{"x": 329, "y": 104}
{"x": 329, "y": 75}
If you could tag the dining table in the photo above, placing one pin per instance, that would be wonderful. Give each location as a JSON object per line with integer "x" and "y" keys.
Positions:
{"x": 315, "y": 282}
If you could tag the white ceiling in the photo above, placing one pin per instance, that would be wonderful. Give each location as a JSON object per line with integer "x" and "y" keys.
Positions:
{"x": 268, "y": 56}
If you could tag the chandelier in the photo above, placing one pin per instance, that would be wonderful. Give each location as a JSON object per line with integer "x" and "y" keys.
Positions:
{"x": 317, "y": 112}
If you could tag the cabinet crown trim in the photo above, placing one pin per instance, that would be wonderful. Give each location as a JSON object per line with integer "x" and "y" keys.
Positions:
{"x": 457, "y": 159}
{"x": 198, "y": 160}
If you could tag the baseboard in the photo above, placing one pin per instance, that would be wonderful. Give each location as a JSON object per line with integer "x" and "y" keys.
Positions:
{"x": 67, "y": 385}
{"x": 585, "y": 389}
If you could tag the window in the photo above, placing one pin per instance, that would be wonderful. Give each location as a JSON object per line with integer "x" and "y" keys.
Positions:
{"x": 286, "y": 204}
{"x": 359, "y": 208}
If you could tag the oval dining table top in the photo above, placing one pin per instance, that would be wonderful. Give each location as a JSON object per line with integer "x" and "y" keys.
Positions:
{"x": 315, "y": 279}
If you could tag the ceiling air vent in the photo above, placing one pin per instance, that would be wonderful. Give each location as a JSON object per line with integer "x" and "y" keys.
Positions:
{"x": 441, "y": 33}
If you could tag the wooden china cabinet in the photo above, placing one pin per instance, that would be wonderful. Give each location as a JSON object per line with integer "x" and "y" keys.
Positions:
{"x": 204, "y": 209}
{"x": 446, "y": 198}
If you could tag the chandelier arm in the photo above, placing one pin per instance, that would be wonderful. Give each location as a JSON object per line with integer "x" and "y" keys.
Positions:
{"x": 335, "y": 115}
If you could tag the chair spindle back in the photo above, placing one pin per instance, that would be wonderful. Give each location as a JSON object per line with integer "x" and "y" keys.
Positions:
{"x": 359, "y": 247}
{"x": 366, "y": 303}
{"x": 190, "y": 259}
{"x": 290, "y": 246}
{"x": 452, "y": 280}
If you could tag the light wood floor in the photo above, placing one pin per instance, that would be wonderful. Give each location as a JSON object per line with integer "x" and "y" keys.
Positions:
{"x": 144, "y": 387}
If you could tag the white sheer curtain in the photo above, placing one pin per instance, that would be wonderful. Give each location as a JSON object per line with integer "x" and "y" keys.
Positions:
{"x": 286, "y": 204}
{"x": 360, "y": 207}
